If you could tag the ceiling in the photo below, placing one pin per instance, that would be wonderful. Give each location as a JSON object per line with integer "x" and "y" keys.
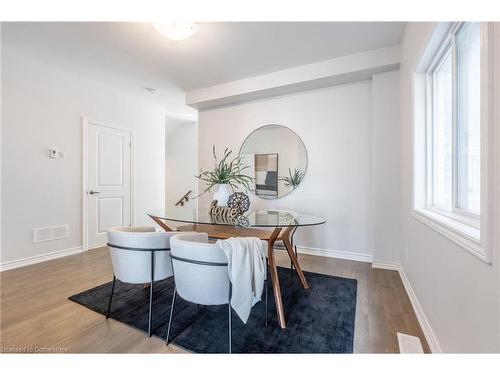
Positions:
{"x": 218, "y": 53}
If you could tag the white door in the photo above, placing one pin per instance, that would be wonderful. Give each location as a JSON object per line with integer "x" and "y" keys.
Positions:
{"x": 108, "y": 181}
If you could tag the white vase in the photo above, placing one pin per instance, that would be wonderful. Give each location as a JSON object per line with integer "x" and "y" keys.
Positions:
{"x": 222, "y": 195}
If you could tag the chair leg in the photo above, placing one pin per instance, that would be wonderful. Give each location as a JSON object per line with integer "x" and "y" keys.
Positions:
{"x": 111, "y": 296}
{"x": 171, "y": 315}
{"x": 267, "y": 293}
{"x": 230, "y": 328}
{"x": 229, "y": 317}
{"x": 151, "y": 294}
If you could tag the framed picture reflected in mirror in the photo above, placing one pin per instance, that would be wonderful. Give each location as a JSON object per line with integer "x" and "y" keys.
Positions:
{"x": 275, "y": 158}
{"x": 266, "y": 175}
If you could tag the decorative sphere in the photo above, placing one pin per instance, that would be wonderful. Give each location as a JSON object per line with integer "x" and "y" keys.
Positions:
{"x": 239, "y": 201}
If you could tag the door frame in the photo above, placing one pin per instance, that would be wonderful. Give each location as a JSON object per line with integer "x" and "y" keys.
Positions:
{"x": 85, "y": 125}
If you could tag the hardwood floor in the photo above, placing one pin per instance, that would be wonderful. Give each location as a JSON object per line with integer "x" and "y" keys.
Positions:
{"x": 36, "y": 314}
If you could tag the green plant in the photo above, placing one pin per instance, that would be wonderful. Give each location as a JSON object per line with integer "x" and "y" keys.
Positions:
{"x": 293, "y": 179}
{"x": 225, "y": 172}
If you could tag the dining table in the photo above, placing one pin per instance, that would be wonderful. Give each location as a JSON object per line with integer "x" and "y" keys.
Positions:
{"x": 266, "y": 224}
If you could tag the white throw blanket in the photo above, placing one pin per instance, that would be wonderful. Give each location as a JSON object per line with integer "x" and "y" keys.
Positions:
{"x": 247, "y": 272}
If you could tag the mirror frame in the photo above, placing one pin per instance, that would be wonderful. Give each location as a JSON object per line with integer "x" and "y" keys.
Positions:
{"x": 306, "y": 154}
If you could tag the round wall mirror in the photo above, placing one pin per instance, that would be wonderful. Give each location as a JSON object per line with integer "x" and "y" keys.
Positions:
{"x": 276, "y": 158}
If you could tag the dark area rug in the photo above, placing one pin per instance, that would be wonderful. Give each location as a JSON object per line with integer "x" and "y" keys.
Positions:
{"x": 319, "y": 320}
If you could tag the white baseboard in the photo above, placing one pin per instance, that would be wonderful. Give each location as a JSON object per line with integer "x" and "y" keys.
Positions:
{"x": 360, "y": 257}
{"x": 10, "y": 265}
{"x": 385, "y": 265}
{"x": 419, "y": 312}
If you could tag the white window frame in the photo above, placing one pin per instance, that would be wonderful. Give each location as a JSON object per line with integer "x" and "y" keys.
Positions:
{"x": 472, "y": 231}
{"x": 467, "y": 217}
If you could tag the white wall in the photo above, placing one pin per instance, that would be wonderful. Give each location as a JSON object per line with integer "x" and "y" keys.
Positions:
{"x": 334, "y": 124}
{"x": 1, "y": 180}
{"x": 42, "y": 107}
{"x": 181, "y": 160}
{"x": 458, "y": 292}
{"x": 385, "y": 167}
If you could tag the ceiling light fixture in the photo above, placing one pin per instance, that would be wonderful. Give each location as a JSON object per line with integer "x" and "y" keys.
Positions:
{"x": 175, "y": 30}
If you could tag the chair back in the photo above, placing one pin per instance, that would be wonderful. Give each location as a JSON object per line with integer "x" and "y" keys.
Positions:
{"x": 131, "y": 265}
{"x": 200, "y": 269}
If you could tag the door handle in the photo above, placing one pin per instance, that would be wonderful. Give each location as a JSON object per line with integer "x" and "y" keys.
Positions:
{"x": 92, "y": 192}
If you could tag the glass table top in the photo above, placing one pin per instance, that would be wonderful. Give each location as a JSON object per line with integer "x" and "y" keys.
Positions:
{"x": 252, "y": 218}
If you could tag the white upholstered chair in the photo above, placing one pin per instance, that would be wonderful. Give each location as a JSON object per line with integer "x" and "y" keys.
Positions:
{"x": 139, "y": 255}
{"x": 201, "y": 274}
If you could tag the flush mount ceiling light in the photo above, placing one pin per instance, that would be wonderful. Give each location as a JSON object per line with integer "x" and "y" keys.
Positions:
{"x": 175, "y": 30}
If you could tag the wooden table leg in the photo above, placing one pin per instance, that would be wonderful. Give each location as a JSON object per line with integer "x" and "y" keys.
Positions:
{"x": 160, "y": 223}
{"x": 289, "y": 248}
{"x": 275, "y": 278}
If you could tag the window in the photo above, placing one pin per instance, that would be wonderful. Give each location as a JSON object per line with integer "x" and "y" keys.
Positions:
{"x": 441, "y": 134}
{"x": 468, "y": 117}
{"x": 453, "y": 126}
{"x": 452, "y": 119}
